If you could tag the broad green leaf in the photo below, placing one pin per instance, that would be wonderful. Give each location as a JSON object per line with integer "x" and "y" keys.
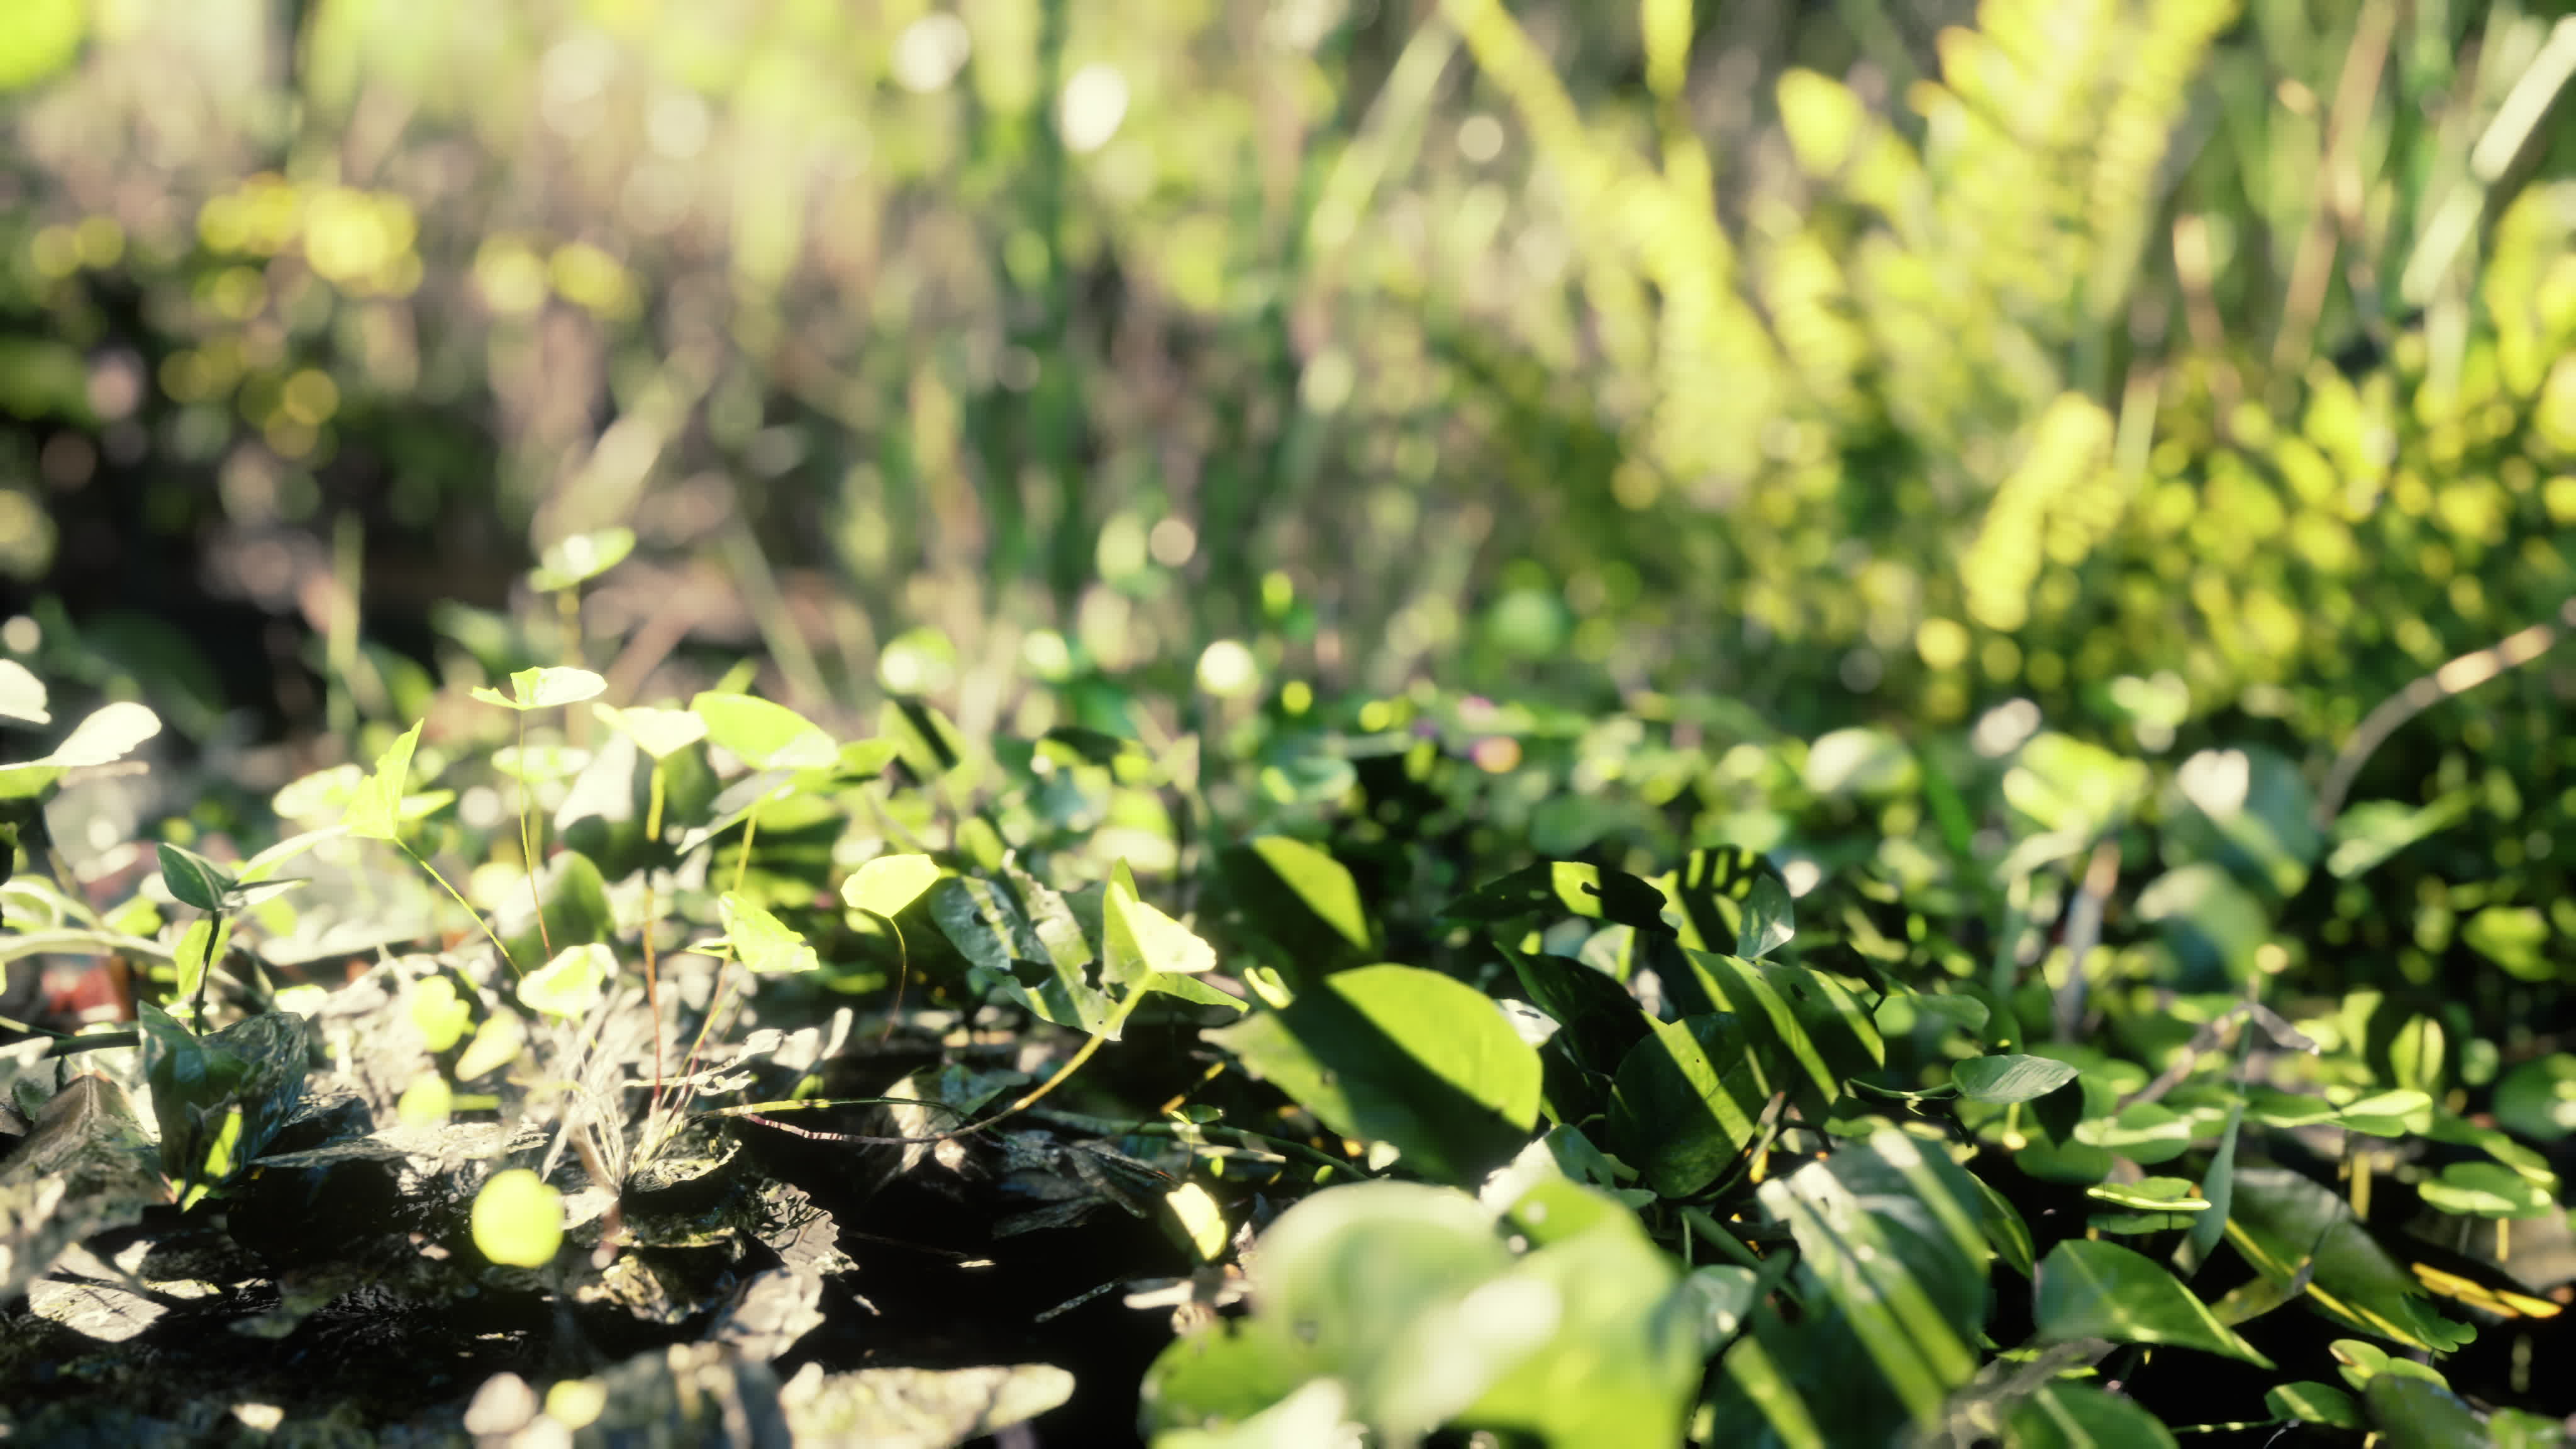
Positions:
{"x": 200, "y": 946}
{"x": 1676, "y": 1115}
{"x": 2397, "y": 1113}
{"x": 1893, "y": 1265}
{"x": 760, "y": 942}
{"x": 571, "y": 984}
{"x": 581, "y": 558}
{"x": 2087, "y": 1289}
{"x": 2516, "y": 938}
{"x": 1710, "y": 894}
{"x": 1602, "y": 1022}
{"x": 2081, "y": 1416}
{"x": 2282, "y": 1222}
{"x": 1402, "y": 1055}
{"x": 1019, "y": 938}
{"x": 1769, "y": 919}
{"x": 2314, "y": 1403}
{"x": 194, "y": 880}
{"x": 518, "y": 1219}
{"x": 22, "y": 694}
{"x": 545, "y": 688}
{"x": 1563, "y": 888}
{"x": 2371, "y": 831}
{"x": 375, "y": 808}
{"x": 1804, "y": 1032}
{"x": 2004, "y": 1228}
{"x": 2143, "y": 1132}
{"x": 258, "y": 1064}
{"x": 2486, "y": 1190}
{"x": 2411, "y": 1413}
{"x": 660, "y": 733}
{"x": 2010, "y": 1078}
{"x": 106, "y": 736}
{"x": 2538, "y": 1098}
{"x": 888, "y": 884}
{"x": 1301, "y": 898}
{"x": 764, "y": 735}
{"x": 318, "y": 795}
{"x": 1143, "y": 943}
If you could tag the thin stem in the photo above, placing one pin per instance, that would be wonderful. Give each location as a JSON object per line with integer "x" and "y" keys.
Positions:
{"x": 469, "y": 907}
{"x": 206, "y": 967}
{"x": 902, "y": 974}
{"x": 528, "y": 838}
{"x": 653, "y": 918}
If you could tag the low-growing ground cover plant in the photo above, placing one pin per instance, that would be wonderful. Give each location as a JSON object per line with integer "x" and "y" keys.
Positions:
{"x": 1390, "y": 1071}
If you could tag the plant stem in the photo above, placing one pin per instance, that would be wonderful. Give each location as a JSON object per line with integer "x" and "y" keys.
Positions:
{"x": 528, "y": 839}
{"x": 653, "y": 918}
{"x": 206, "y": 969}
{"x": 469, "y": 908}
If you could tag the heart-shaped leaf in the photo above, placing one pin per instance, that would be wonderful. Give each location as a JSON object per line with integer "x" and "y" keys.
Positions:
{"x": 764, "y": 735}
{"x": 545, "y": 688}
{"x": 888, "y": 884}
{"x": 375, "y": 807}
{"x": 760, "y": 942}
{"x": 660, "y": 733}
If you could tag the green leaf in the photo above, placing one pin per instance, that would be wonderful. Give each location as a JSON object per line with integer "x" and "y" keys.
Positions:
{"x": 2086, "y": 1289}
{"x": 1602, "y": 1022}
{"x": 2314, "y": 1403}
{"x": 760, "y": 942}
{"x": 2004, "y": 1228}
{"x": 888, "y": 884}
{"x": 438, "y": 1012}
{"x": 2412, "y": 1413}
{"x": 581, "y": 558}
{"x": 545, "y": 688}
{"x": 1301, "y": 898}
{"x": 1675, "y": 1115}
{"x": 2151, "y": 1194}
{"x": 22, "y": 694}
{"x": 517, "y": 1219}
{"x": 1019, "y": 938}
{"x": 2283, "y": 1222}
{"x": 2010, "y": 1078}
{"x": 106, "y": 736}
{"x": 1401, "y": 1055}
{"x": 1804, "y": 1032}
{"x": 1893, "y": 1267}
{"x": 2220, "y": 1186}
{"x": 1712, "y": 890}
{"x": 2486, "y": 1190}
{"x": 1566, "y": 888}
{"x": 375, "y": 807}
{"x": 1769, "y": 919}
{"x": 571, "y": 984}
{"x": 2537, "y": 1099}
{"x": 764, "y": 735}
{"x": 2081, "y": 1416}
{"x": 660, "y": 733}
{"x": 194, "y": 880}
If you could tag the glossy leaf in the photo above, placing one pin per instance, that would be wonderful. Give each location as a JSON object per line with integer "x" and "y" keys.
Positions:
{"x": 194, "y": 880}
{"x": 1301, "y": 898}
{"x": 2314, "y": 1403}
{"x": 2010, "y": 1078}
{"x": 2087, "y": 1289}
{"x": 1563, "y": 888}
{"x": 2081, "y": 1416}
{"x": 1402, "y": 1055}
{"x": 1676, "y": 1115}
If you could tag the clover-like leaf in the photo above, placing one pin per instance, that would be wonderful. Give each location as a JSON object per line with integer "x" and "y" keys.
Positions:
{"x": 570, "y": 984}
{"x": 760, "y": 942}
{"x": 581, "y": 558}
{"x": 886, "y": 885}
{"x": 544, "y": 688}
{"x": 660, "y": 733}
{"x": 764, "y": 735}
{"x": 518, "y": 1219}
{"x": 376, "y": 807}
{"x": 194, "y": 880}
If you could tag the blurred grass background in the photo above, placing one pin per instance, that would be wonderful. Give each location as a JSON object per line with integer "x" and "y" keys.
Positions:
{"x": 2176, "y": 365}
